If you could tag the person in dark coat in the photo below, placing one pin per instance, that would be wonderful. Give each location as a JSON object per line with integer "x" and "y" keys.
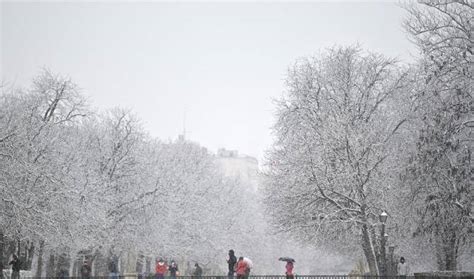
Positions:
{"x": 16, "y": 266}
{"x": 197, "y": 273}
{"x": 231, "y": 261}
{"x": 86, "y": 271}
{"x": 174, "y": 271}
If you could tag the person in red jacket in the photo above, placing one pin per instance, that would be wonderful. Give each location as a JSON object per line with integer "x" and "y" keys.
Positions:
{"x": 241, "y": 269}
{"x": 289, "y": 270}
{"x": 161, "y": 269}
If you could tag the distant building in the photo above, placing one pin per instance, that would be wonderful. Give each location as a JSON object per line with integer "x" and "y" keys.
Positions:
{"x": 242, "y": 166}
{"x": 224, "y": 153}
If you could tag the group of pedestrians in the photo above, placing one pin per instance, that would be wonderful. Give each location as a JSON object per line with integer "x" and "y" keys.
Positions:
{"x": 240, "y": 267}
{"x": 162, "y": 268}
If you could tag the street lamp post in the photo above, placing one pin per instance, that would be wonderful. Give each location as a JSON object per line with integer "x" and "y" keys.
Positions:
{"x": 383, "y": 239}
{"x": 391, "y": 270}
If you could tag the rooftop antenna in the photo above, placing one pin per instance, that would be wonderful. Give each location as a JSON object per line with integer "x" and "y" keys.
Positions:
{"x": 182, "y": 136}
{"x": 184, "y": 125}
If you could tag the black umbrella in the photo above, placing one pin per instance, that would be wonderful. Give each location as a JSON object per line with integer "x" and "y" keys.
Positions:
{"x": 286, "y": 259}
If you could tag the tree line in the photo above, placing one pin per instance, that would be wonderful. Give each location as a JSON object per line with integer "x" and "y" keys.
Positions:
{"x": 80, "y": 184}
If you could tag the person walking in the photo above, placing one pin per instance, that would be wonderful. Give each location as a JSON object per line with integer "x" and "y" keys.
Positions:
{"x": 16, "y": 265}
{"x": 231, "y": 261}
{"x": 160, "y": 269}
{"x": 242, "y": 268}
{"x": 173, "y": 268}
{"x": 289, "y": 270}
{"x": 403, "y": 268}
{"x": 197, "y": 273}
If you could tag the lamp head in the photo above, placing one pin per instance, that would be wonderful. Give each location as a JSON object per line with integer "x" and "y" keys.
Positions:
{"x": 383, "y": 217}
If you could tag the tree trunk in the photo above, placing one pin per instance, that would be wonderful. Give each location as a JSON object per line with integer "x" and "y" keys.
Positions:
{"x": 446, "y": 252}
{"x": 139, "y": 264}
{"x": 75, "y": 267}
{"x": 62, "y": 265}
{"x": 50, "y": 272}
{"x": 39, "y": 269}
{"x": 2, "y": 247}
{"x": 11, "y": 249}
{"x": 451, "y": 253}
{"x": 100, "y": 264}
{"x": 18, "y": 248}
{"x": 148, "y": 265}
{"x": 369, "y": 251}
{"x": 376, "y": 245}
{"x": 451, "y": 262}
{"x": 30, "y": 253}
{"x": 27, "y": 257}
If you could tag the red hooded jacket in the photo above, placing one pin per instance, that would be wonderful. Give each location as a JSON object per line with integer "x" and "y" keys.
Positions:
{"x": 161, "y": 268}
{"x": 241, "y": 268}
{"x": 289, "y": 268}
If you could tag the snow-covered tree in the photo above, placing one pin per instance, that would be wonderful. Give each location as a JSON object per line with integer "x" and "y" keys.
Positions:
{"x": 35, "y": 124}
{"x": 330, "y": 167}
{"x": 440, "y": 170}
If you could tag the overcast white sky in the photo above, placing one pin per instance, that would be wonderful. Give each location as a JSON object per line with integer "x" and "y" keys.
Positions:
{"x": 222, "y": 63}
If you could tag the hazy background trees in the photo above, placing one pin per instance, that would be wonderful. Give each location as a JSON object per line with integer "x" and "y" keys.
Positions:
{"x": 82, "y": 184}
